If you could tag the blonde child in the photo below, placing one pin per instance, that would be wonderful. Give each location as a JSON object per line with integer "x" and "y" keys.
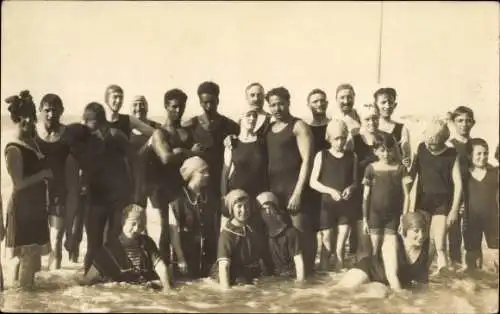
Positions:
{"x": 439, "y": 184}
{"x": 334, "y": 174}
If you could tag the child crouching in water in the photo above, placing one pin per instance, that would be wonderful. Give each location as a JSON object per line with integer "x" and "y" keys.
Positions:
{"x": 239, "y": 252}
{"x": 439, "y": 187}
{"x": 385, "y": 197}
{"x": 481, "y": 206}
{"x": 283, "y": 240}
{"x": 132, "y": 257}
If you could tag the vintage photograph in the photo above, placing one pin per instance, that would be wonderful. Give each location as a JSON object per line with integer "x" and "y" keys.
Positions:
{"x": 249, "y": 157}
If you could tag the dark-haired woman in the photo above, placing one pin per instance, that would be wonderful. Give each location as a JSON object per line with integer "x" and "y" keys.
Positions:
{"x": 27, "y": 219}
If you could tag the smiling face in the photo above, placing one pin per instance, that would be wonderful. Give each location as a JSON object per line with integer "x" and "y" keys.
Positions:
{"x": 370, "y": 123}
{"x": 386, "y": 105}
{"x": 115, "y": 101}
{"x": 139, "y": 109}
{"x": 133, "y": 226}
{"x": 241, "y": 210}
{"x": 345, "y": 100}
{"x": 463, "y": 124}
{"x": 479, "y": 156}
{"x": 279, "y": 107}
{"x": 384, "y": 154}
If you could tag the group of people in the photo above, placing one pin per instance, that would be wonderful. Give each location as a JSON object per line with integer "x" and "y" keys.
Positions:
{"x": 241, "y": 199}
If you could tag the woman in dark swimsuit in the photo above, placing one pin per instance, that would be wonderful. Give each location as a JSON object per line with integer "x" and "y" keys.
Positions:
{"x": 409, "y": 267}
{"x": 27, "y": 219}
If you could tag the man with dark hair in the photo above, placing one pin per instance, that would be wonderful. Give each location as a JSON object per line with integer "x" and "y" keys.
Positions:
{"x": 289, "y": 146}
{"x": 210, "y": 129}
{"x": 167, "y": 149}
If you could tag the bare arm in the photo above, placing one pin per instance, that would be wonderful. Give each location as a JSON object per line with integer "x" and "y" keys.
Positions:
{"x": 175, "y": 238}
{"x": 141, "y": 126}
{"x": 313, "y": 180}
{"x": 457, "y": 184}
{"x": 405, "y": 144}
{"x": 390, "y": 260}
{"x": 304, "y": 144}
{"x": 226, "y": 171}
{"x": 161, "y": 270}
{"x": 162, "y": 149}
{"x": 366, "y": 201}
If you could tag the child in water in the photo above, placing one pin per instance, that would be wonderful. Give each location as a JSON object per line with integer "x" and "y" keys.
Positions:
{"x": 385, "y": 197}
{"x": 239, "y": 250}
{"x": 284, "y": 243}
{"x": 334, "y": 174}
{"x": 482, "y": 205}
{"x": 439, "y": 187}
{"x": 132, "y": 257}
{"x": 410, "y": 265}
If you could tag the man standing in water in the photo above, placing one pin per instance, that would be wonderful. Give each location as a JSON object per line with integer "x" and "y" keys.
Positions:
{"x": 289, "y": 145}
{"x": 210, "y": 129}
{"x": 169, "y": 146}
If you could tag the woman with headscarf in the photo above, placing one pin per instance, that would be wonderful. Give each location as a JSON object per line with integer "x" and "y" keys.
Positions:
{"x": 27, "y": 219}
{"x": 412, "y": 263}
{"x": 194, "y": 221}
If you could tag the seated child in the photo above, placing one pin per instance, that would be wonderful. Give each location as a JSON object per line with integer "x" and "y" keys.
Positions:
{"x": 482, "y": 205}
{"x": 411, "y": 264}
{"x": 132, "y": 257}
{"x": 240, "y": 247}
{"x": 284, "y": 243}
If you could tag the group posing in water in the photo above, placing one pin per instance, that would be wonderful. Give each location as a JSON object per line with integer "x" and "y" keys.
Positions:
{"x": 249, "y": 198}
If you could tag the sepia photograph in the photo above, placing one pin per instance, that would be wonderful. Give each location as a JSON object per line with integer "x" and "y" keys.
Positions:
{"x": 249, "y": 157}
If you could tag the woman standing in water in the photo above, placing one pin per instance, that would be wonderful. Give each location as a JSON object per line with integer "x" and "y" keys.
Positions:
{"x": 27, "y": 219}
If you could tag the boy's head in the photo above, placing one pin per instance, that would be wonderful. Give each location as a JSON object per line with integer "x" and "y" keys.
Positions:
{"x": 436, "y": 134}
{"x": 317, "y": 102}
{"x": 175, "y": 104}
{"x": 336, "y": 134}
{"x": 94, "y": 116}
{"x": 463, "y": 120}
{"x": 208, "y": 93}
{"x": 478, "y": 152}
{"x": 345, "y": 97}
{"x": 415, "y": 228}
{"x": 133, "y": 221}
{"x": 113, "y": 97}
{"x": 140, "y": 107}
{"x": 384, "y": 147}
{"x": 369, "y": 115}
{"x": 237, "y": 203}
{"x": 194, "y": 171}
{"x": 385, "y": 100}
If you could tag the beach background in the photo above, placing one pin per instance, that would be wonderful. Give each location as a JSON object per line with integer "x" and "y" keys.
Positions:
{"x": 437, "y": 55}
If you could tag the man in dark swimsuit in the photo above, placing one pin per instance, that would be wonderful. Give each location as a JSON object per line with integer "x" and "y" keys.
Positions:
{"x": 289, "y": 145}
{"x": 169, "y": 146}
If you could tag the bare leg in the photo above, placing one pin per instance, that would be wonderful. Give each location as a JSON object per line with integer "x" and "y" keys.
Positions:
{"x": 376, "y": 241}
{"x": 326, "y": 241}
{"x": 390, "y": 258}
{"x": 342, "y": 233}
{"x": 438, "y": 234}
{"x": 364, "y": 246}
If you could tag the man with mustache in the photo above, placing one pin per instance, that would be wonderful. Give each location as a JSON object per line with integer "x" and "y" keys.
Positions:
{"x": 254, "y": 94}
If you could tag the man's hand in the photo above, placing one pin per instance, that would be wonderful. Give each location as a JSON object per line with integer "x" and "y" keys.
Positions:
{"x": 335, "y": 196}
{"x": 347, "y": 193}
{"x": 452, "y": 217}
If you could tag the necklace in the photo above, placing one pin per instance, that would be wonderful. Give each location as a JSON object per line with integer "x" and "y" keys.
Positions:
{"x": 201, "y": 198}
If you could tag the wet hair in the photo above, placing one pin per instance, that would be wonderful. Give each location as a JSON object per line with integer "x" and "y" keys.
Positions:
{"x": 281, "y": 92}
{"x": 315, "y": 91}
{"x": 387, "y": 91}
{"x": 252, "y": 85}
{"x": 113, "y": 88}
{"x": 417, "y": 219}
{"x": 476, "y": 142}
{"x": 210, "y": 88}
{"x": 21, "y": 105}
{"x": 344, "y": 86}
{"x": 52, "y": 100}
{"x": 175, "y": 94}
{"x": 460, "y": 110}
{"x": 96, "y": 110}
{"x": 386, "y": 141}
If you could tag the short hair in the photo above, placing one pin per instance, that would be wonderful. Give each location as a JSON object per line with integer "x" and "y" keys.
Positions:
{"x": 21, "y": 105}
{"x": 113, "y": 88}
{"x": 476, "y": 142}
{"x": 209, "y": 88}
{"x": 344, "y": 86}
{"x": 95, "y": 109}
{"x": 387, "y": 91}
{"x": 386, "y": 141}
{"x": 137, "y": 211}
{"x": 52, "y": 100}
{"x": 280, "y": 92}
{"x": 252, "y": 85}
{"x": 460, "y": 110}
{"x": 175, "y": 94}
{"x": 315, "y": 91}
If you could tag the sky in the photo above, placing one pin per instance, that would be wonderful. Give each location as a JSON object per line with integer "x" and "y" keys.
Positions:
{"x": 437, "y": 55}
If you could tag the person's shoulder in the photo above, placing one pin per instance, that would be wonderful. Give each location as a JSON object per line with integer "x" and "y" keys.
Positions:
{"x": 190, "y": 122}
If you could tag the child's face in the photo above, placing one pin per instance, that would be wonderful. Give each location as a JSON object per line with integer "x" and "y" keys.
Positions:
{"x": 241, "y": 211}
{"x": 337, "y": 141}
{"x": 415, "y": 236}
{"x": 384, "y": 154}
{"x": 200, "y": 178}
{"x": 132, "y": 227}
{"x": 463, "y": 124}
{"x": 370, "y": 123}
{"x": 269, "y": 209}
{"x": 386, "y": 105}
{"x": 479, "y": 156}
